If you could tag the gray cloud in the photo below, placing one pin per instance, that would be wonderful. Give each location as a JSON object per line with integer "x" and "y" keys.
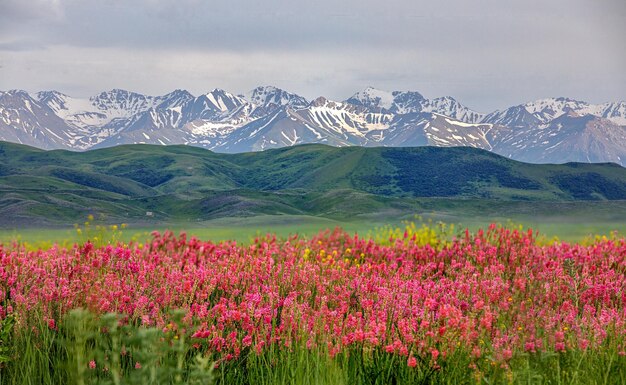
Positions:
{"x": 488, "y": 53}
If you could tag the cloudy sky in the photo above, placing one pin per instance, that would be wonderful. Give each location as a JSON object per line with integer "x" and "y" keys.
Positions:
{"x": 489, "y": 54}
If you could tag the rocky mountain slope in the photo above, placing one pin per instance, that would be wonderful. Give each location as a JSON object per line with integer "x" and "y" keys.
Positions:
{"x": 551, "y": 130}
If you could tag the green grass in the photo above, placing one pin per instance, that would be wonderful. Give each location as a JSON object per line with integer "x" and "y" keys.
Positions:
{"x": 568, "y": 228}
{"x": 62, "y": 355}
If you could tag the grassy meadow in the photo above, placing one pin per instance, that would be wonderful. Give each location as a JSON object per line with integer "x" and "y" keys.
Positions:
{"x": 576, "y": 226}
{"x": 399, "y": 303}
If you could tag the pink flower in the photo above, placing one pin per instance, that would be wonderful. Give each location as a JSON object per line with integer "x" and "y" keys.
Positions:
{"x": 92, "y": 364}
{"x": 137, "y": 365}
{"x": 559, "y": 336}
{"x": 495, "y": 292}
{"x": 411, "y": 362}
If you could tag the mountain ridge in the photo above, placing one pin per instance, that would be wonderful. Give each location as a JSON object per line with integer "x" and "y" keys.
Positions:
{"x": 269, "y": 117}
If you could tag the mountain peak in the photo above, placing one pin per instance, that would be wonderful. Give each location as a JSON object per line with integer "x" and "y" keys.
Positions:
{"x": 176, "y": 98}
{"x": 51, "y": 93}
{"x": 118, "y": 91}
{"x": 271, "y": 96}
{"x": 373, "y": 98}
{"x": 179, "y": 92}
{"x": 319, "y": 102}
{"x": 219, "y": 101}
{"x": 219, "y": 92}
{"x": 16, "y": 92}
{"x": 117, "y": 94}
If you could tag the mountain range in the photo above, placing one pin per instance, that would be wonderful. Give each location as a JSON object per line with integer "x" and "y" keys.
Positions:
{"x": 554, "y": 130}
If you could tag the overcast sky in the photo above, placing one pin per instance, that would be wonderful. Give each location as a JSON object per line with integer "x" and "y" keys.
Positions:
{"x": 489, "y": 54}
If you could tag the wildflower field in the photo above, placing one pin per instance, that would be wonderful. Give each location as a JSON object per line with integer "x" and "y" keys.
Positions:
{"x": 417, "y": 305}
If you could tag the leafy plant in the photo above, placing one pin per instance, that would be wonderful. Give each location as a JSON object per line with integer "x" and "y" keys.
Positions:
{"x": 6, "y": 332}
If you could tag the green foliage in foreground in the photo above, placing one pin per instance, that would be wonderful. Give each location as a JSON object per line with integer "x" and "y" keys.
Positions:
{"x": 87, "y": 350}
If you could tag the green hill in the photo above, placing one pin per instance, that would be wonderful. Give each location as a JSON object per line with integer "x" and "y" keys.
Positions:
{"x": 180, "y": 183}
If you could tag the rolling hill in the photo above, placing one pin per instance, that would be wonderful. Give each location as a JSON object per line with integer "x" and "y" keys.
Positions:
{"x": 184, "y": 183}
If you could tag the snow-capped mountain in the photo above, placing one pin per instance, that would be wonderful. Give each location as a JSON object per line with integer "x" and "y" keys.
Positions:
{"x": 97, "y": 110}
{"x": 182, "y": 118}
{"x": 449, "y": 106}
{"x": 99, "y": 117}
{"x": 514, "y": 117}
{"x": 545, "y": 110}
{"x": 23, "y": 119}
{"x": 615, "y": 112}
{"x": 406, "y": 102}
{"x": 546, "y": 130}
{"x": 268, "y": 98}
{"x": 320, "y": 121}
{"x": 569, "y": 137}
{"x": 430, "y": 129}
{"x": 373, "y": 98}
